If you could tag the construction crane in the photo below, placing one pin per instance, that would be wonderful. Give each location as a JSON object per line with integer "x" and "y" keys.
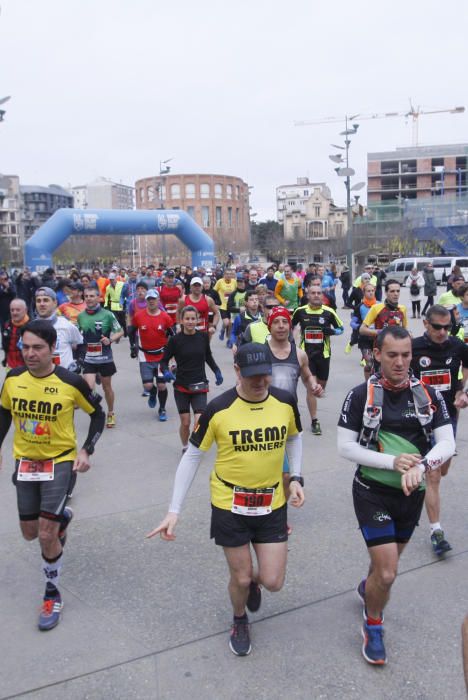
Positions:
{"x": 414, "y": 113}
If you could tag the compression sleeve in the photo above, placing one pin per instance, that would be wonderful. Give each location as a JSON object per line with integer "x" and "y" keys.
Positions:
{"x": 185, "y": 474}
{"x": 5, "y": 422}
{"x": 294, "y": 452}
{"x": 349, "y": 448}
{"x": 96, "y": 426}
{"x": 443, "y": 449}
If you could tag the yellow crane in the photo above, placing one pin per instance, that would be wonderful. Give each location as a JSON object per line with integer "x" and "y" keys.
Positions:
{"x": 413, "y": 112}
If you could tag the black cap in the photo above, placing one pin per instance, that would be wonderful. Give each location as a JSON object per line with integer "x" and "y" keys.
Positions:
{"x": 170, "y": 273}
{"x": 252, "y": 359}
{"x": 77, "y": 285}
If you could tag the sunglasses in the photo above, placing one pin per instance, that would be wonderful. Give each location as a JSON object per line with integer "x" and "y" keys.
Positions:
{"x": 440, "y": 326}
{"x": 270, "y": 307}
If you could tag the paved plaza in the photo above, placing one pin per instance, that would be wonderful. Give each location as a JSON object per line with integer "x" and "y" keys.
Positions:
{"x": 150, "y": 619}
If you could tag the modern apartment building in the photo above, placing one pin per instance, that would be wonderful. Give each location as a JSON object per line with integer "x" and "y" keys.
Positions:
{"x": 103, "y": 194}
{"x": 218, "y": 203}
{"x": 39, "y": 203}
{"x": 416, "y": 172}
{"x": 11, "y": 231}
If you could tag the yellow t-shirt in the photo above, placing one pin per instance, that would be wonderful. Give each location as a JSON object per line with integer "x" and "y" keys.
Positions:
{"x": 251, "y": 440}
{"x": 42, "y": 409}
{"x": 224, "y": 289}
{"x": 387, "y": 318}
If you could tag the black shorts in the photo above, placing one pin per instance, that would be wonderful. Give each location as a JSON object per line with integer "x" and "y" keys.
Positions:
{"x": 148, "y": 371}
{"x": 319, "y": 366}
{"x": 384, "y": 513}
{"x": 224, "y": 313}
{"x": 186, "y": 401}
{"x": 232, "y": 530}
{"x": 105, "y": 369}
{"x": 43, "y": 498}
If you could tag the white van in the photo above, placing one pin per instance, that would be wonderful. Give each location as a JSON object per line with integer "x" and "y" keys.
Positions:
{"x": 444, "y": 265}
{"x": 400, "y": 268}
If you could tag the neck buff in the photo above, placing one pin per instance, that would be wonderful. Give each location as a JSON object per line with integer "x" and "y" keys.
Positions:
{"x": 24, "y": 320}
{"x": 391, "y": 306}
{"x": 385, "y": 384}
{"x": 369, "y": 302}
{"x": 93, "y": 311}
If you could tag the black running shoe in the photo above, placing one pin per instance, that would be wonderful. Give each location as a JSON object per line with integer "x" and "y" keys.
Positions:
{"x": 255, "y": 597}
{"x": 439, "y": 543}
{"x": 239, "y": 640}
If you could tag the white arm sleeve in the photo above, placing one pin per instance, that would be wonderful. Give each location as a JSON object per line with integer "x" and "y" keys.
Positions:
{"x": 443, "y": 449}
{"x": 294, "y": 453}
{"x": 185, "y": 474}
{"x": 349, "y": 448}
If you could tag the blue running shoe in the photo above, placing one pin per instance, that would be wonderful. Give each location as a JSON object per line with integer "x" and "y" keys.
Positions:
{"x": 373, "y": 649}
{"x": 50, "y": 613}
{"x": 152, "y": 399}
{"x": 439, "y": 543}
{"x": 229, "y": 344}
{"x": 162, "y": 415}
{"x": 239, "y": 639}
{"x": 221, "y": 335}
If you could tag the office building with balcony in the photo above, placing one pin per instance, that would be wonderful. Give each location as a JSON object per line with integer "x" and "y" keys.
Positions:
{"x": 39, "y": 203}
{"x": 11, "y": 231}
{"x": 218, "y": 203}
{"x": 417, "y": 172}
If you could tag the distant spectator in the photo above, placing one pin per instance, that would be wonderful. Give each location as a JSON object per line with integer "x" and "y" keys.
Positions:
{"x": 430, "y": 286}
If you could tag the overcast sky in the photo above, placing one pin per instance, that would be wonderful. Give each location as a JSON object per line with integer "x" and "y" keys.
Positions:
{"x": 111, "y": 87}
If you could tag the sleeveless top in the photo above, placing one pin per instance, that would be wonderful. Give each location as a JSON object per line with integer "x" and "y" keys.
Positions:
{"x": 286, "y": 373}
{"x": 202, "y": 307}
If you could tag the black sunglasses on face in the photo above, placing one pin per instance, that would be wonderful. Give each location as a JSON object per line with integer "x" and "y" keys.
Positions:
{"x": 440, "y": 326}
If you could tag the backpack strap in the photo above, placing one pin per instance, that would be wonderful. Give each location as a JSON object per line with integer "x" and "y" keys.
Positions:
{"x": 372, "y": 417}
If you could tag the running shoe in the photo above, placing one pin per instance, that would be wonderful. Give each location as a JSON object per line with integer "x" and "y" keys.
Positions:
{"x": 229, "y": 344}
{"x": 152, "y": 399}
{"x": 373, "y": 649}
{"x": 50, "y": 612}
{"x": 239, "y": 640}
{"x": 67, "y": 517}
{"x": 221, "y": 335}
{"x": 439, "y": 543}
{"x": 348, "y": 348}
{"x": 110, "y": 423}
{"x": 315, "y": 427}
{"x": 361, "y": 591}
{"x": 162, "y": 415}
{"x": 254, "y": 599}
{"x": 145, "y": 393}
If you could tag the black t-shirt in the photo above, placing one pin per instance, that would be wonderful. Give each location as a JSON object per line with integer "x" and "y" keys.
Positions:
{"x": 400, "y": 430}
{"x": 438, "y": 365}
{"x": 190, "y": 352}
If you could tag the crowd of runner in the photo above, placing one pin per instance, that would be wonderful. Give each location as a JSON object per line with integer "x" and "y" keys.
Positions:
{"x": 399, "y": 426}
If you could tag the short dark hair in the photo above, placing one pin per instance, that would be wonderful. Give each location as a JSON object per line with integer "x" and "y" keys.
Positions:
{"x": 397, "y": 332}
{"x": 436, "y": 310}
{"x": 43, "y": 329}
{"x": 142, "y": 284}
{"x": 317, "y": 281}
{"x": 188, "y": 308}
{"x": 250, "y": 293}
{"x": 389, "y": 282}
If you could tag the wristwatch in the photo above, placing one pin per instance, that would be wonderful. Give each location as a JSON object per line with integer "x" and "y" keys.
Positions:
{"x": 299, "y": 479}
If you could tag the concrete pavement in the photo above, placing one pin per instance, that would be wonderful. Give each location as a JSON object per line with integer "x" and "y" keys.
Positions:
{"x": 149, "y": 619}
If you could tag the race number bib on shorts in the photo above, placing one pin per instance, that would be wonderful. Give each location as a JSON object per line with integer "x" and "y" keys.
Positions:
{"x": 252, "y": 501}
{"x": 313, "y": 337}
{"x": 35, "y": 470}
{"x": 171, "y": 308}
{"x": 437, "y": 378}
{"x": 94, "y": 349}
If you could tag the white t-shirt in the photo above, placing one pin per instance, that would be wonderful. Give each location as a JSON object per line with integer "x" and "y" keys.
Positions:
{"x": 67, "y": 336}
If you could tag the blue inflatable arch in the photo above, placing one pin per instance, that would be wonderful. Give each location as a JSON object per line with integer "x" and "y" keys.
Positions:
{"x": 39, "y": 248}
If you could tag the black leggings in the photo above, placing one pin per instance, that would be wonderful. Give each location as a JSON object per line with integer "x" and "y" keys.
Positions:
{"x": 429, "y": 302}
{"x": 416, "y": 307}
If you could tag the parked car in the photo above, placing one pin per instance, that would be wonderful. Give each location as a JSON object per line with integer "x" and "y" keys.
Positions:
{"x": 443, "y": 267}
{"x": 400, "y": 268}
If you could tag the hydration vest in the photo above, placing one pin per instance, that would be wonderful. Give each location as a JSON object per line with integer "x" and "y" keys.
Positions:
{"x": 372, "y": 418}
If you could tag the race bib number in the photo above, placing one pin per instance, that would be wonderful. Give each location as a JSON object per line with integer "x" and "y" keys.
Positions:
{"x": 438, "y": 378}
{"x": 56, "y": 358}
{"x": 252, "y": 501}
{"x": 171, "y": 308}
{"x": 35, "y": 470}
{"x": 313, "y": 337}
{"x": 94, "y": 349}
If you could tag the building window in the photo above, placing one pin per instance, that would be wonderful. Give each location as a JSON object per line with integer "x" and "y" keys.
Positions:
{"x": 306, "y": 193}
{"x": 191, "y": 211}
{"x": 205, "y": 190}
{"x": 150, "y": 194}
{"x": 218, "y": 189}
{"x": 142, "y": 194}
{"x": 237, "y": 192}
{"x": 317, "y": 210}
{"x": 230, "y": 217}
{"x": 339, "y": 228}
{"x": 237, "y": 217}
{"x": 228, "y": 191}
{"x": 219, "y": 221}
{"x": 175, "y": 191}
{"x": 190, "y": 190}
{"x": 205, "y": 216}
{"x": 12, "y": 216}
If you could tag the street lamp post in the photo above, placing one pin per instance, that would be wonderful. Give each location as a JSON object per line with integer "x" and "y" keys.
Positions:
{"x": 347, "y": 173}
{"x": 164, "y": 169}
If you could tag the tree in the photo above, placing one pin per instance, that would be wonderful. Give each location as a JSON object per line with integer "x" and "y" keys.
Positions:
{"x": 267, "y": 237}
